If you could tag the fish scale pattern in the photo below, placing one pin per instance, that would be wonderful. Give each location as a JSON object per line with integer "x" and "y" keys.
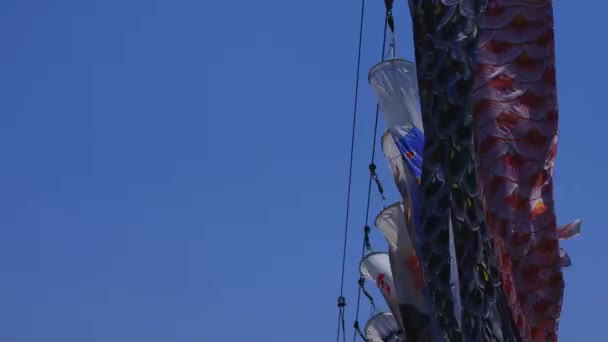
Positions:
{"x": 516, "y": 125}
{"x": 445, "y": 41}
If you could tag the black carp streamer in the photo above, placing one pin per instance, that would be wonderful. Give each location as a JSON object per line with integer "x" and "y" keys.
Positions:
{"x": 445, "y": 41}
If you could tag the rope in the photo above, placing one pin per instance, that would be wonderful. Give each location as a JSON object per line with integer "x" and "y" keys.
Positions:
{"x": 388, "y": 23}
{"x": 369, "y": 296}
{"x": 341, "y": 299}
{"x": 358, "y": 331}
{"x": 372, "y": 168}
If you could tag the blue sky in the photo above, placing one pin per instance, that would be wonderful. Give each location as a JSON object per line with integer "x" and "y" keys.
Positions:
{"x": 175, "y": 170}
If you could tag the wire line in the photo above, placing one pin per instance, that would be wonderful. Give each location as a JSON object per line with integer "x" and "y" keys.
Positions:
{"x": 369, "y": 186}
{"x": 341, "y": 301}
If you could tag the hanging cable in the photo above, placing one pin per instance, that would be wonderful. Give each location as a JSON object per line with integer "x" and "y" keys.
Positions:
{"x": 391, "y": 24}
{"x": 366, "y": 243}
{"x": 358, "y": 330}
{"x": 372, "y": 172}
{"x": 372, "y": 169}
{"x": 369, "y": 296}
{"x": 341, "y": 325}
{"x": 341, "y": 299}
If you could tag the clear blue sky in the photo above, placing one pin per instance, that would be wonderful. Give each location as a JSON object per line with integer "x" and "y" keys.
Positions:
{"x": 175, "y": 170}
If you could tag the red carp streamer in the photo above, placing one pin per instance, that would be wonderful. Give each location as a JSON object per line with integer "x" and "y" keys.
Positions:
{"x": 515, "y": 122}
